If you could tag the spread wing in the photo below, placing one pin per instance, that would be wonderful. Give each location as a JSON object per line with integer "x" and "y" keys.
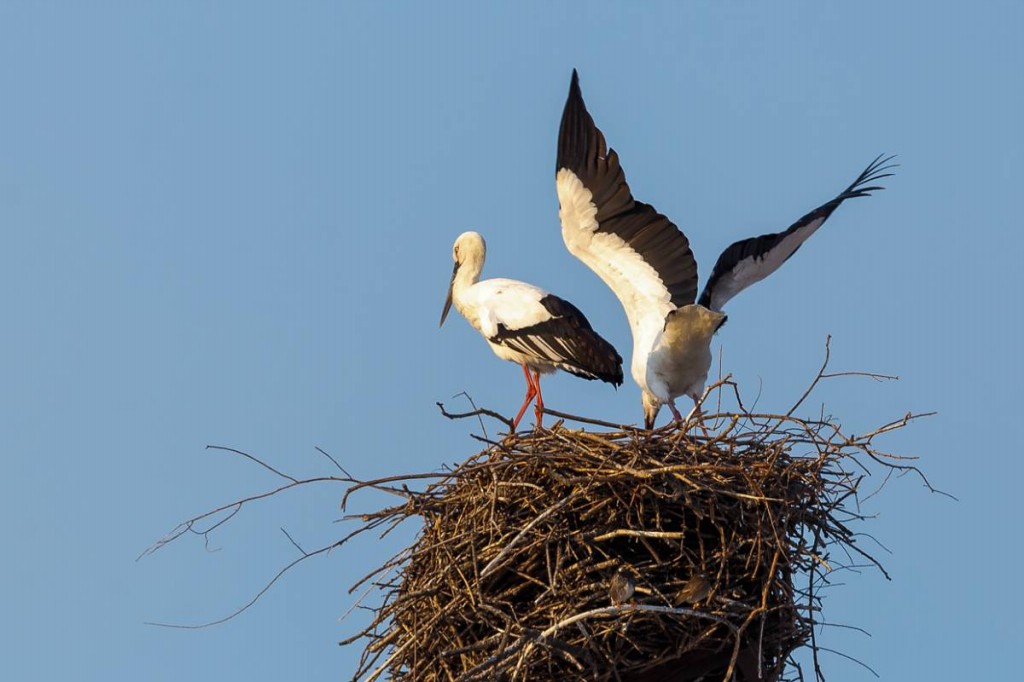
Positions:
{"x": 639, "y": 253}
{"x": 751, "y": 260}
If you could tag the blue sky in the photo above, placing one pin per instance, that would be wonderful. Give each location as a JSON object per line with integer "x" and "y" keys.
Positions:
{"x": 231, "y": 224}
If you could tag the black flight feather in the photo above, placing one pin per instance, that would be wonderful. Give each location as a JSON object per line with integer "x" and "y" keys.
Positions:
{"x": 567, "y": 341}
{"x": 582, "y": 150}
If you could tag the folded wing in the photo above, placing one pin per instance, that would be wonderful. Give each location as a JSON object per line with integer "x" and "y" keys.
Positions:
{"x": 565, "y": 339}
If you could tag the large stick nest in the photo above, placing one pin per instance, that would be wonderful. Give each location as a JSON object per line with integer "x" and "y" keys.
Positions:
{"x": 691, "y": 552}
{"x": 677, "y": 554}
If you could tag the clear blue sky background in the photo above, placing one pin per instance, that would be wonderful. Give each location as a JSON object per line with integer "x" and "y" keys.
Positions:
{"x": 230, "y": 223}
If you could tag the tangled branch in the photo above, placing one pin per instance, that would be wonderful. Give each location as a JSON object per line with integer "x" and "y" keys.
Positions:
{"x": 693, "y": 551}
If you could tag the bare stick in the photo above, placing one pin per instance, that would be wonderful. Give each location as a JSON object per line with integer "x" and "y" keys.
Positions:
{"x": 253, "y": 459}
{"x": 496, "y": 561}
{"x": 476, "y": 413}
{"x": 333, "y": 461}
{"x": 589, "y": 420}
{"x": 810, "y": 389}
{"x": 252, "y": 601}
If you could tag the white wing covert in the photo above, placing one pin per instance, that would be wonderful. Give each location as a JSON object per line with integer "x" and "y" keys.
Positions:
{"x": 639, "y": 253}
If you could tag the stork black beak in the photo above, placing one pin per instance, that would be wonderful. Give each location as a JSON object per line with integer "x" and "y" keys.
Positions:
{"x": 448, "y": 298}
{"x": 651, "y": 408}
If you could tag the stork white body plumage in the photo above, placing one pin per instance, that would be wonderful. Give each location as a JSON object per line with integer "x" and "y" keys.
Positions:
{"x": 647, "y": 261}
{"x": 527, "y": 325}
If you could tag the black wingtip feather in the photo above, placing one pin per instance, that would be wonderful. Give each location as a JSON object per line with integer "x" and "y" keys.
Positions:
{"x": 597, "y": 358}
{"x": 860, "y": 187}
{"x": 575, "y": 126}
{"x": 875, "y": 171}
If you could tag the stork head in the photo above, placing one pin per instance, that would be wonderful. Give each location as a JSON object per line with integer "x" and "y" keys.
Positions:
{"x": 692, "y": 326}
{"x": 468, "y": 252}
{"x": 469, "y": 249}
{"x": 651, "y": 408}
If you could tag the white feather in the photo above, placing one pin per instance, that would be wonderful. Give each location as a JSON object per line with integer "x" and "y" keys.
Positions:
{"x": 508, "y": 302}
{"x": 644, "y": 296}
{"x": 753, "y": 269}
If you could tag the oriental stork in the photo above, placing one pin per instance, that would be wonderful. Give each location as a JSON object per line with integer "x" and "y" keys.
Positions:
{"x": 646, "y": 260}
{"x": 526, "y": 325}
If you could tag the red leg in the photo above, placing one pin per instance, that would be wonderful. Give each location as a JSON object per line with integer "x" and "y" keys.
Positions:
{"x": 675, "y": 412}
{"x": 539, "y": 405}
{"x": 696, "y": 405}
{"x": 531, "y": 391}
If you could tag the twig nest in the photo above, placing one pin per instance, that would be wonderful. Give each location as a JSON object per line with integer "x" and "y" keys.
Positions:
{"x": 564, "y": 554}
